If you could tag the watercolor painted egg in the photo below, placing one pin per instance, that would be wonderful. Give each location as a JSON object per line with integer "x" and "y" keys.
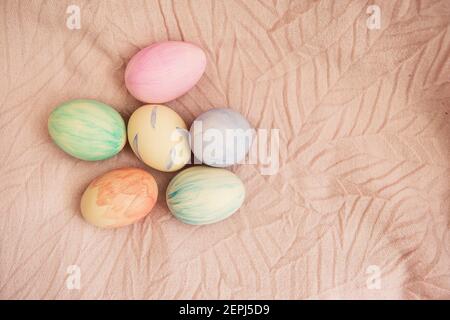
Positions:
{"x": 158, "y": 136}
{"x": 204, "y": 195}
{"x": 87, "y": 129}
{"x": 164, "y": 71}
{"x": 119, "y": 197}
{"x": 220, "y": 137}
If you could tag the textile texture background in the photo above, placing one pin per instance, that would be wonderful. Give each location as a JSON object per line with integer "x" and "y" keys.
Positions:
{"x": 363, "y": 186}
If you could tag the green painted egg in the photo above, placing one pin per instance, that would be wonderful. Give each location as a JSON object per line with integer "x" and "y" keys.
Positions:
{"x": 87, "y": 129}
{"x": 203, "y": 195}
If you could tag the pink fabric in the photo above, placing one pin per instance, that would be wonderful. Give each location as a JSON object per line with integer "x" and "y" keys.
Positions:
{"x": 363, "y": 186}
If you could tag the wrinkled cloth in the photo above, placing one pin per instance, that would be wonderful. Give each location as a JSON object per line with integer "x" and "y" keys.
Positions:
{"x": 359, "y": 207}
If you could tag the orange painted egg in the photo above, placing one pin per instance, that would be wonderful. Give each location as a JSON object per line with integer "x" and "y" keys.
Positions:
{"x": 119, "y": 197}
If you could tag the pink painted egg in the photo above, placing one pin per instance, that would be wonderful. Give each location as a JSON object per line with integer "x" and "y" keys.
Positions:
{"x": 164, "y": 71}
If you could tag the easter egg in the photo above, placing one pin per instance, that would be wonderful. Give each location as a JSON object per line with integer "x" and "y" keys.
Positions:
{"x": 119, "y": 197}
{"x": 87, "y": 129}
{"x": 158, "y": 137}
{"x": 203, "y": 195}
{"x": 164, "y": 71}
{"x": 220, "y": 137}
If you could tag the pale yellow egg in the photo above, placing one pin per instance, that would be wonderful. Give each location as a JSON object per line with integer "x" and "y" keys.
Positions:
{"x": 159, "y": 137}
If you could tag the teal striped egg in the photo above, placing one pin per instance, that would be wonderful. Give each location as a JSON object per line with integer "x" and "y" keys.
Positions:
{"x": 203, "y": 195}
{"x": 87, "y": 129}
